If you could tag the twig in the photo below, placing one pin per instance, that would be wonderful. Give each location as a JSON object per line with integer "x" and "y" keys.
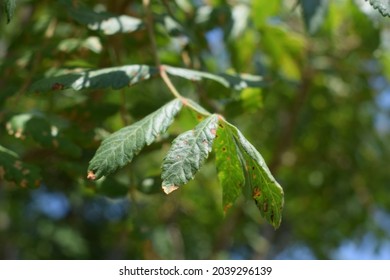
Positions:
{"x": 150, "y": 29}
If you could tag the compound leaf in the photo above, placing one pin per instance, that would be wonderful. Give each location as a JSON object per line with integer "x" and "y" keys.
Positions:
{"x": 188, "y": 153}
{"x": 383, "y": 6}
{"x": 237, "y": 82}
{"x": 14, "y": 170}
{"x": 265, "y": 190}
{"x": 119, "y": 148}
{"x": 114, "y": 77}
{"x": 229, "y": 168}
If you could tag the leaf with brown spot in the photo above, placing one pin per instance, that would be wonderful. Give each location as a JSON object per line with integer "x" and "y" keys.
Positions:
{"x": 14, "y": 170}
{"x": 230, "y": 173}
{"x": 192, "y": 148}
{"x": 259, "y": 180}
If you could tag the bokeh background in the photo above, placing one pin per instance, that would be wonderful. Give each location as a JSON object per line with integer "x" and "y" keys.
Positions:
{"x": 321, "y": 122}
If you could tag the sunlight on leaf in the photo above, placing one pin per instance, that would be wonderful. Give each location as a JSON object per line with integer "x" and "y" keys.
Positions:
{"x": 187, "y": 154}
{"x": 114, "y": 77}
{"x": 119, "y": 149}
{"x": 383, "y": 6}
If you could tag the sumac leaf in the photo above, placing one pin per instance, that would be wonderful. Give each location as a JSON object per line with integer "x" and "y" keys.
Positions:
{"x": 119, "y": 148}
{"x": 187, "y": 154}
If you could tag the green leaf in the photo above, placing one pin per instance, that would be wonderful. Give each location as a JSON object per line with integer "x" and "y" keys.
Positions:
{"x": 238, "y": 82}
{"x": 9, "y": 9}
{"x": 229, "y": 168}
{"x": 14, "y": 170}
{"x": 108, "y": 23}
{"x": 314, "y": 12}
{"x": 187, "y": 154}
{"x": 383, "y": 6}
{"x": 266, "y": 191}
{"x": 114, "y": 77}
{"x": 119, "y": 149}
{"x": 42, "y": 131}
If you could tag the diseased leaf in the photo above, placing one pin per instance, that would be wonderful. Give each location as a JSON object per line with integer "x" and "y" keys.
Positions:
{"x": 14, "y": 170}
{"x": 229, "y": 167}
{"x": 187, "y": 154}
{"x": 237, "y": 82}
{"x": 9, "y": 9}
{"x": 42, "y": 131}
{"x": 119, "y": 149}
{"x": 114, "y": 77}
{"x": 266, "y": 191}
{"x": 314, "y": 12}
{"x": 108, "y": 23}
{"x": 383, "y": 6}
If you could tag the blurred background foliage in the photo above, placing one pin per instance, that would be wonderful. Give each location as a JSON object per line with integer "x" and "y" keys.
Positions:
{"x": 321, "y": 123}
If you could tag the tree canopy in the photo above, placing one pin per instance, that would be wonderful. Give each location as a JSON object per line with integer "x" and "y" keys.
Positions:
{"x": 269, "y": 119}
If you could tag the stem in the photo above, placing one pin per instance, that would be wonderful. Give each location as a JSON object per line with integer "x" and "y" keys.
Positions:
{"x": 169, "y": 84}
{"x": 185, "y": 101}
{"x": 150, "y": 29}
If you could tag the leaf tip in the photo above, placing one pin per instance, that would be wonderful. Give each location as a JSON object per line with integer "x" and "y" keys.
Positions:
{"x": 169, "y": 189}
{"x": 91, "y": 175}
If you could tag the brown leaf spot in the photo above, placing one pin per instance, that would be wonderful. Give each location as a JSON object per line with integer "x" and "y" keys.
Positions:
{"x": 256, "y": 193}
{"x": 91, "y": 175}
{"x": 169, "y": 189}
{"x": 220, "y": 125}
{"x": 213, "y": 131}
{"x": 23, "y": 183}
{"x": 272, "y": 216}
{"x": 57, "y": 86}
{"x": 25, "y": 171}
{"x": 265, "y": 207}
{"x": 18, "y": 165}
{"x": 223, "y": 149}
{"x": 227, "y": 207}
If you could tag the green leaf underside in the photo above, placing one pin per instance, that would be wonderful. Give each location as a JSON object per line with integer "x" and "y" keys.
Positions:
{"x": 9, "y": 9}
{"x": 229, "y": 168}
{"x": 14, "y": 170}
{"x": 187, "y": 154}
{"x": 383, "y": 6}
{"x": 114, "y": 77}
{"x": 118, "y": 149}
{"x": 119, "y": 77}
{"x": 108, "y": 23}
{"x": 237, "y": 82}
{"x": 266, "y": 191}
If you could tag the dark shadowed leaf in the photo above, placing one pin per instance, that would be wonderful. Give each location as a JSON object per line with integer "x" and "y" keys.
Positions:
{"x": 314, "y": 12}
{"x": 41, "y": 131}
{"x": 114, "y": 77}
{"x": 383, "y": 6}
{"x": 187, "y": 154}
{"x": 119, "y": 149}
{"x": 238, "y": 82}
{"x": 14, "y": 170}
